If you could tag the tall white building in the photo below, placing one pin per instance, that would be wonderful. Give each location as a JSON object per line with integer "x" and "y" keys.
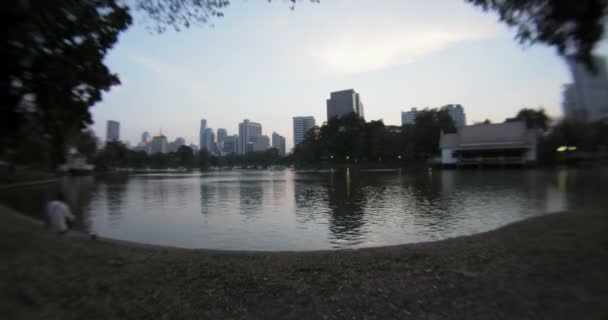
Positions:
{"x": 586, "y": 99}
{"x": 341, "y": 103}
{"x": 301, "y": 125}
{"x": 408, "y": 117}
{"x": 247, "y": 130}
{"x": 457, "y": 114}
{"x": 278, "y": 142}
{"x": 112, "y": 131}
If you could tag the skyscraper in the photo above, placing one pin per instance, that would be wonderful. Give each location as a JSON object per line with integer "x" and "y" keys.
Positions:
{"x": 145, "y": 137}
{"x": 247, "y": 130}
{"x": 112, "y": 131}
{"x": 408, "y": 117}
{"x": 200, "y": 133}
{"x": 158, "y": 144}
{"x": 278, "y": 142}
{"x": 586, "y": 98}
{"x": 344, "y": 102}
{"x": 301, "y": 125}
{"x": 221, "y": 135}
{"x": 259, "y": 143}
{"x": 208, "y": 142}
{"x": 457, "y": 114}
{"x": 230, "y": 144}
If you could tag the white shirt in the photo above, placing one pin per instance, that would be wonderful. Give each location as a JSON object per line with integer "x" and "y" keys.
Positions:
{"x": 56, "y": 213}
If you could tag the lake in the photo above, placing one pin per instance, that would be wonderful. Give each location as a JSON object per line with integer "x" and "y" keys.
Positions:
{"x": 292, "y": 210}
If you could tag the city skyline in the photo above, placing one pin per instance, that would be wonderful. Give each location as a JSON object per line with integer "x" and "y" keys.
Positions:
{"x": 455, "y": 54}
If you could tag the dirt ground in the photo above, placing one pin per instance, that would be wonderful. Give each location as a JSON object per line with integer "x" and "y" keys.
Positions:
{"x": 549, "y": 267}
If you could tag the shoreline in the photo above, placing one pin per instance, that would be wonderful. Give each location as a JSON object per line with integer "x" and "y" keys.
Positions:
{"x": 551, "y": 266}
{"x": 81, "y": 235}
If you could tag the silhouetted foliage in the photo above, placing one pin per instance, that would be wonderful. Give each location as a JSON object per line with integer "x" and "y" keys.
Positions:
{"x": 54, "y": 68}
{"x": 572, "y": 27}
{"x": 350, "y": 139}
{"x": 186, "y": 156}
{"x": 534, "y": 119}
{"x": 113, "y": 154}
{"x": 588, "y": 138}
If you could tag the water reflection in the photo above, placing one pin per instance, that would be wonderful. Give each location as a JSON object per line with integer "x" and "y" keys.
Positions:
{"x": 345, "y": 201}
{"x": 302, "y": 211}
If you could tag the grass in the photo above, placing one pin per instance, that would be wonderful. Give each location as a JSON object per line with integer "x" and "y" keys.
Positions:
{"x": 550, "y": 267}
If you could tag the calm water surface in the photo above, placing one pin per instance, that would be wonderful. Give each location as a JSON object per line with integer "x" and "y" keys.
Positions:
{"x": 268, "y": 210}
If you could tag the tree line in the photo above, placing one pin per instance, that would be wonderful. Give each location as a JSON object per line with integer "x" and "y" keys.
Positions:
{"x": 117, "y": 155}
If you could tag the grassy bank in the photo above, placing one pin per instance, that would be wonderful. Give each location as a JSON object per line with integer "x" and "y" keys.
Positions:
{"x": 551, "y": 267}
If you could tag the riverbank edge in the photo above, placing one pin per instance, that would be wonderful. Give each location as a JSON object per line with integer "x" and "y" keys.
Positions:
{"x": 82, "y": 236}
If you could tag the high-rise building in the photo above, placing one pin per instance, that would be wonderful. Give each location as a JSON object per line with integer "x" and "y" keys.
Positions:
{"x": 159, "y": 144}
{"x": 344, "y": 102}
{"x": 408, "y": 117}
{"x": 457, "y": 114}
{"x": 247, "y": 130}
{"x": 259, "y": 143}
{"x": 113, "y": 131}
{"x": 208, "y": 142}
{"x": 301, "y": 125}
{"x": 173, "y": 146}
{"x": 230, "y": 144}
{"x": 278, "y": 142}
{"x": 586, "y": 99}
{"x": 145, "y": 138}
{"x": 221, "y": 135}
{"x": 200, "y": 133}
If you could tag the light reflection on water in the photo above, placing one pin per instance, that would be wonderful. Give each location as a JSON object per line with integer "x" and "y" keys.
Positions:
{"x": 267, "y": 210}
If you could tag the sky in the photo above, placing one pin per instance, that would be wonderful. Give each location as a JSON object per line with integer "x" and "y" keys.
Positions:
{"x": 267, "y": 63}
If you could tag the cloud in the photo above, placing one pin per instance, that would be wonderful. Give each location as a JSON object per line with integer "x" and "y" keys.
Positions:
{"x": 356, "y": 52}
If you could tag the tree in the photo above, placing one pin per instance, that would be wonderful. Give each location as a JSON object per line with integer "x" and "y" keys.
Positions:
{"x": 56, "y": 71}
{"x": 573, "y": 27}
{"x": 113, "y": 154}
{"x": 534, "y": 119}
{"x": 185, "y": 155}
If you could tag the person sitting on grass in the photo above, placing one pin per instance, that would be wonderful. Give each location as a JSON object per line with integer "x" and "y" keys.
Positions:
{"x": 59, "y": 218}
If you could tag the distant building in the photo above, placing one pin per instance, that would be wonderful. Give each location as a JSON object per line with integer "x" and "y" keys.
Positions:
{"x": 301, "y": 125}
{"x": 208, "y": 142}
{"x": 221, "y": 135}
{"x": 344, "y": 102}
{"x": 457, "y": 114}
{"x": 500, "y": 143}
{"x": 586, "y": 99}
{"x": 145, "y": 138}
{"x": 230, "y": 144}
{"x": 260, "y": 143}
{"x": 173, "y": 146}
{"x": 194, "y": 147}
{"x": 112, "y": 131}
{"x": 201, "y": 132}
{"x": 247, "y": 130}
{"x": 159, "y": 144}
{"x": 408, "y": 117}
{"x": 278, "y": 142}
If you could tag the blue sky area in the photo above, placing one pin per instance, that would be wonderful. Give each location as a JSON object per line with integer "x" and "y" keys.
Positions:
{"x": 268, "y": 63}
